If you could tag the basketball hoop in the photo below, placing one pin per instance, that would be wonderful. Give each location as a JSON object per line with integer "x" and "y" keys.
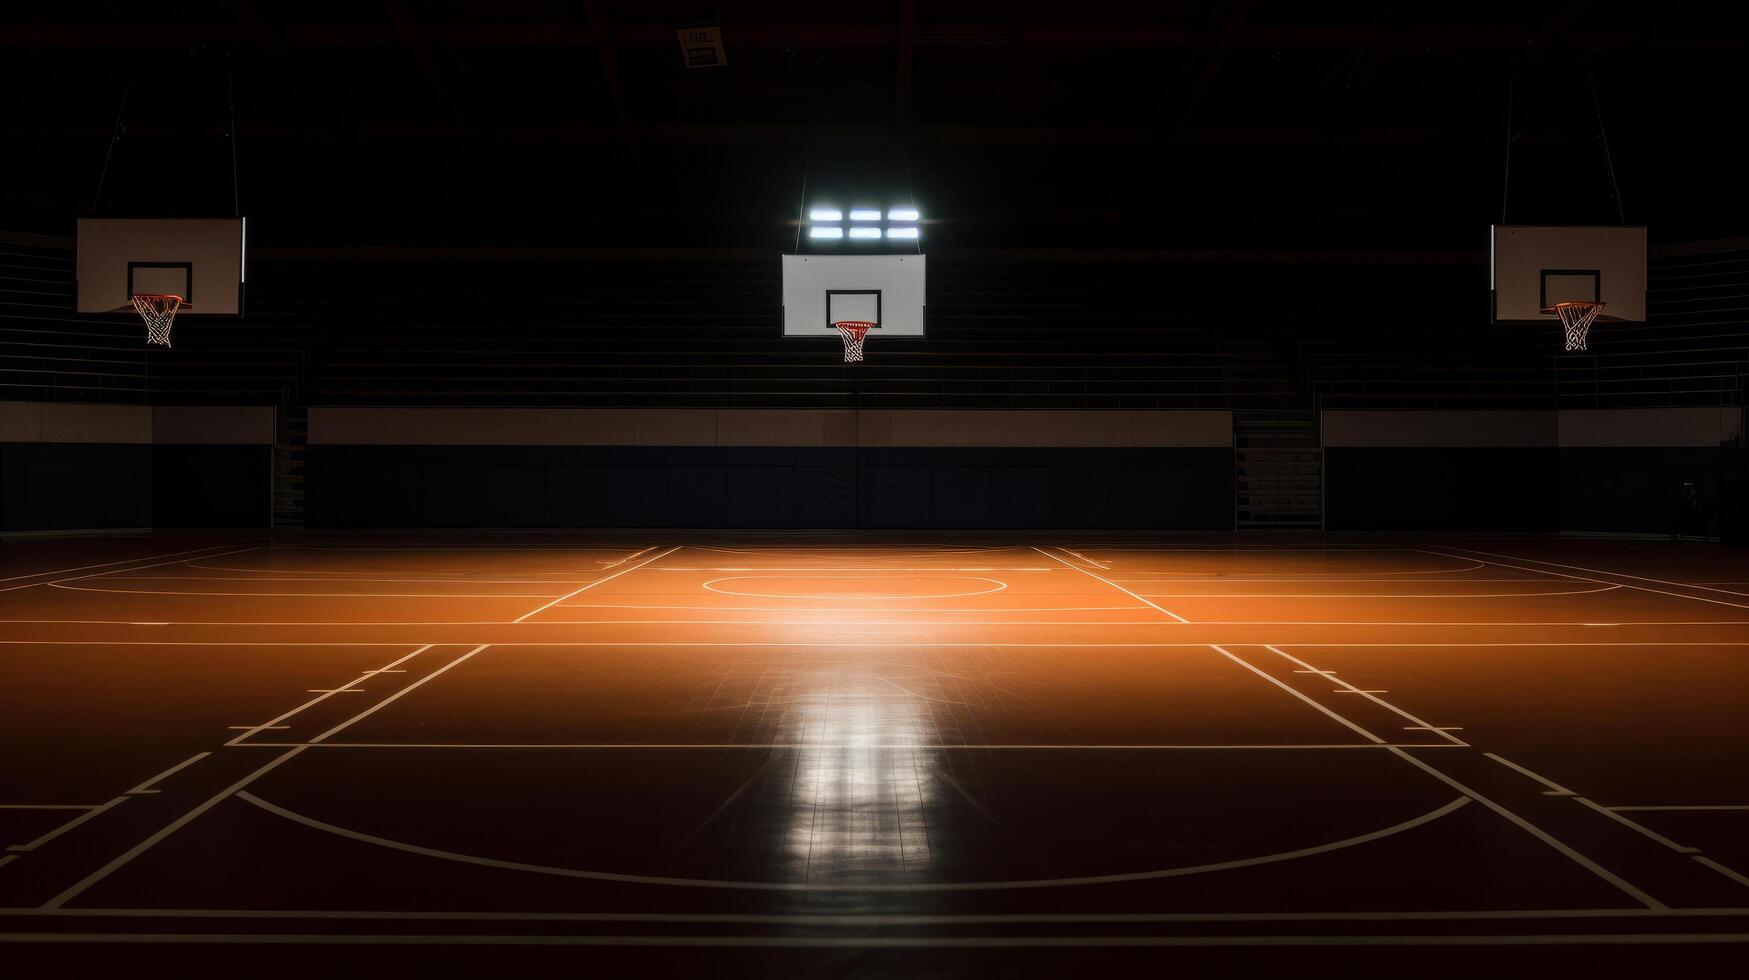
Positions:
{"x": 853, "y": 332}
{"x": 1576, "y": 320}
{"x": 159, "y": 312}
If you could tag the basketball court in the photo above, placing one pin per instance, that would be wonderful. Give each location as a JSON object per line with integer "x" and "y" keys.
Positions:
{"x": 1207, "y": 487}
{"x": 914, "y": 742}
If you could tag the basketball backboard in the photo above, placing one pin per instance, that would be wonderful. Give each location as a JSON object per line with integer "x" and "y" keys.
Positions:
{"x": 1536, "y": 267}
{"x": 885, "y": 290}
{"x": 198, "y": 259}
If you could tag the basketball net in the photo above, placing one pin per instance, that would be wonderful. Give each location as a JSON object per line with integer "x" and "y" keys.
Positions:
{"x": 159, "y": 312}
{"x": 1576, "y": 321}
{"x": 853, "y": 332}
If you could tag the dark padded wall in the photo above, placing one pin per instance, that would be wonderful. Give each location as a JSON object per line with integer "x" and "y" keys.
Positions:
{"x": 57, "y": 486}
{"x": 1636, "y": 490}
{"x": 66, "y": 486}
{"x": 1641, "y": 489}
{"x": 1443, "y": 489}
{"x": 750, "y": 487}
{"x": 211, "y": 486}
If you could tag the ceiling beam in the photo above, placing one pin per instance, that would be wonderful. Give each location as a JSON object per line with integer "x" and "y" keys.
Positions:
{"x": 414, "y": 36}
{"x": 1214, "y": 53}
{"x": 562, "y": 134}
{"x": 902, "y": 70}
{"x": 1066, "y": 36}
{"x": 607, "y": 55}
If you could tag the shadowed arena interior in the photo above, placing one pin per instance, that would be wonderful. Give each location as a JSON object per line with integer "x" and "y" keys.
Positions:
{"x": 884, "y": 488}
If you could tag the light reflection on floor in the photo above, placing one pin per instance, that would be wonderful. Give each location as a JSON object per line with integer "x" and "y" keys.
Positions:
{"x": 863, "y": 787}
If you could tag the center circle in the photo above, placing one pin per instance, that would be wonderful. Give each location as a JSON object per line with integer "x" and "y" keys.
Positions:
{"x": 855, "y": 586}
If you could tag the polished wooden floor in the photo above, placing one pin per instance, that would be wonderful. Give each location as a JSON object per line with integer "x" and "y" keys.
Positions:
{"x": 842, "y": 747}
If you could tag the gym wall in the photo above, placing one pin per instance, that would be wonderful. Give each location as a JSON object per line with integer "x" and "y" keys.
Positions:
{"x": 759, "y": 468}
{"x": 69, "y": 466}
{"x": 1633, "y": 470}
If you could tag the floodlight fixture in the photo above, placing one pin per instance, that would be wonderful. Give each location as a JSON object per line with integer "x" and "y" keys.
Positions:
{"x": 862, "y": 231}
{"x": 909, "y": 231}
{"x": 865, "y": 214}
{"x": 825, "y": 214}
{"x": 825, "y": 231}
{"x": 902, "y": 214}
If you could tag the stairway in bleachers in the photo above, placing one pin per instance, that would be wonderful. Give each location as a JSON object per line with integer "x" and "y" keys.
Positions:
{"x": 1279, "y": 469}
{"x": 290, "y": 446}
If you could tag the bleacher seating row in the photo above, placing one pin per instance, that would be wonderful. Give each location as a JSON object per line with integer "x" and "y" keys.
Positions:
{"x": 705, "y": 330}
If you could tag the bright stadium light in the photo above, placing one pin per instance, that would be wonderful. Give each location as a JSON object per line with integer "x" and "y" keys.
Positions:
{"x": 862, "y": 232}
{"x": 902, "y": 214}
{"x": 825, "y": 214}
{"x": 823, "y": 231}
{"x": 865, "y": 214}
{"x": 909, "y": 232}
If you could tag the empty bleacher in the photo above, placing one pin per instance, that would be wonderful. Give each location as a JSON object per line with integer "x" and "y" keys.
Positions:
{"x": 675, "y": 329}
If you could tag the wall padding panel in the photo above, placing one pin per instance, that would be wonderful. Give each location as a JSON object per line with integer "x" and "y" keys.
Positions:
{"x": 766, "y": 487}
{"x": 68, "y": 466}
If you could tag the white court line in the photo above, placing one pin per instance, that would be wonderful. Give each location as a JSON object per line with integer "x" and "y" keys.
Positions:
{"x": 1519, "y": 821}
{"x": 1370, "y": 595}
{"x": 248, "y": 623}
{"x": 146, "y": 787}
{"x": 803, "y": 886}
{"x": 1638, "y": 827}
{"x": 106, "y": 564}
{"x": 818, "y": 569}
{"x": 1109, "y": 582}
{"x": 339, "y": 574}
{"x": 827, "y": 552}
{"x": 6, "y": 859}
{"x": 69, "y": 825}
{"x": 1554, "y": 788}
{"x": 877, "y": 918}
{"x": 444, "y": 547}
{"x": 1247, "y": 579}
{"x": 274, "y": 723}
{"x": 1337, "y": 576}
{"x": 133, "y": 568}
{"x": 1369, "y": 696}
{"x": 1730, "y": 873}
{"x": 872, "y": 644}
{"x": 859, "y": 746}
{"x": 1642, "y": 588}
{"x": 559, "y": 578}
{"x": 1238, "y": 550}
{"x": 712, "y": 587}
{"x": 403, "y": 692}
{"x": 74, "y": 890}
{"x": 1682, "y": 807}
{"x": 873, "y": 942}
{"x": 1535, "y": 831}
{"x": 94, "y": 877}
{"x": 874, "y": 624}
{"x": 839, "y": 609}
{"x": 1369, "y": 736}
{"x": 312, "y": 595}
{"x": 591, "y": 585}
{"x": 629, "y": 557}
{"x": 1084, "y": 558}
{"x": 1411, "y": 622}
{"x": 1599, "y": 571}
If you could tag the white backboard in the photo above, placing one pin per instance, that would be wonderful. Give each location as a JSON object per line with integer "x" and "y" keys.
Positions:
{"x": 1537, "y": 266}
{"x": 886, "y": 290}
{"x": 199, "y": 259}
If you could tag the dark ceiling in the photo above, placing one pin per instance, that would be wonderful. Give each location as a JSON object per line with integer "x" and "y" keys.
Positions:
{"x": 1012, "y": 123}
